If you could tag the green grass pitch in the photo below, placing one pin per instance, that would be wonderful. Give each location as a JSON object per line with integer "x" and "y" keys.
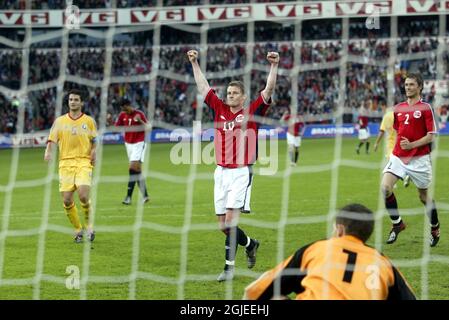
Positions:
{"x": 170, "y": 264}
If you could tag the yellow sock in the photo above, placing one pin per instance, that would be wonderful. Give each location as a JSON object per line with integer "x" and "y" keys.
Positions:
{"x": 72, "y": 213}
{"x": 86, "y": 209}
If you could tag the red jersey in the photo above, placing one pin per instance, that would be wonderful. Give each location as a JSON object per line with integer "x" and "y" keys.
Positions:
{"x": 413, "y": 122}
{"x": 127, "y": 120}
{"x": 229, "y": 133}
{"x": 296, "y": 128}
{"x": 363, "y": 122}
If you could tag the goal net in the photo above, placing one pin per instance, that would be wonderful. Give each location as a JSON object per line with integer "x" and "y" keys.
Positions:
{"x": 337, "y": 60}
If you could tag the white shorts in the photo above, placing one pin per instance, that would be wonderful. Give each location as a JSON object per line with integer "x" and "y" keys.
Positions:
{"x": 293, "y": 140}
{"x": 363, "y": 134}
{"x": 419, "y": 169}
{"x": 136, "y": 151}
{"x": 232, "y": 189}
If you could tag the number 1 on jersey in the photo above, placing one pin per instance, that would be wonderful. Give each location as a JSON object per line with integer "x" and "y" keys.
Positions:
{"x": 350, "y": 265}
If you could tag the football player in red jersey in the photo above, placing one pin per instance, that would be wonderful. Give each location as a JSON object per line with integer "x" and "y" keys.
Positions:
{"x": 235, "y": 139}
{"x": 294, "y": 133}
{"x": 414, "y": 122}
{"x": 364, "y": 135}
{"x": 134, "y": 121}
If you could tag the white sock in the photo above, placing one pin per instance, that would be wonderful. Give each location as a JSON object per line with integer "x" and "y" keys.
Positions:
{"x": 248, "y": 241}
{"x": 396, "y": 221}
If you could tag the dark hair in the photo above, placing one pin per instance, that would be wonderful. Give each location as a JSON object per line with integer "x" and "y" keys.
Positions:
{"x": 124, "y": 102}
{"x": 76, "y": 92}
{"x": 238, "y": 84}
{"x": 417, "y": 77}
{"x": 357, "y": 219}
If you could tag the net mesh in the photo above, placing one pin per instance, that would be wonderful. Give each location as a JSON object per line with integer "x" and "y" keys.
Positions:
{"x": 152, "y": 68}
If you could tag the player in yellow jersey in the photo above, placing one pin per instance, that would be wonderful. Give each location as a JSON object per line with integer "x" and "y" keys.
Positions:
{"x": 342, "y": 267}
{"x": 75, "y": 134}
{"x": 386, "y": 126}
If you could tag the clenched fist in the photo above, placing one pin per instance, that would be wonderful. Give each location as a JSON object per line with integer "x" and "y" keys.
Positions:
{"x": 273, "y": 57}
{"x": 192, "y": 55}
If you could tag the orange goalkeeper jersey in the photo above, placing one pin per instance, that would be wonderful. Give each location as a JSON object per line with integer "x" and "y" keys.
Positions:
{"x": 334, "y": 269}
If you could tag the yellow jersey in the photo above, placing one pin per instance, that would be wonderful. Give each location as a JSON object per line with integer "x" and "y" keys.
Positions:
{"x": 387, "y": 127}
{"x": 75, "y": 138}
{"x": 334, "y": 269}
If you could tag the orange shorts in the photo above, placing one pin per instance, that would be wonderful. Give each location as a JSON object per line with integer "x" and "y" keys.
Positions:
{"x": 70, "y": 178}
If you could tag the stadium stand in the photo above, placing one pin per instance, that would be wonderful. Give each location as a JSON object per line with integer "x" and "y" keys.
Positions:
{"x": 175, "y": 101}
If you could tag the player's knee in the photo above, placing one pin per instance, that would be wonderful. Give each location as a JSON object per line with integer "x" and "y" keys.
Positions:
{"x": 229, "y": 225}
{"x": 135, "y": 166}
{"x": 387, "y": 190}
{"x": 136, "y": 170}
{"x": 423, "y": 199}
{"x": 221, "y": 226}
{"x": 84, "y": 198}
{"x": 67, "y": 203}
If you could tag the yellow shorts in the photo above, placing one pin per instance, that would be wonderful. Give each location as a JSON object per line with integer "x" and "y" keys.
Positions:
{"x": 70, "y": 178}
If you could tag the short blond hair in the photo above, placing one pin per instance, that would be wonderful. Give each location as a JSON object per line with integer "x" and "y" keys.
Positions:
{"x": 238, "y": 84}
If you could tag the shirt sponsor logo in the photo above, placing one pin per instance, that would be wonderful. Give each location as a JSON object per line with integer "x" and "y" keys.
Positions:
{"x": 239, "y": 118}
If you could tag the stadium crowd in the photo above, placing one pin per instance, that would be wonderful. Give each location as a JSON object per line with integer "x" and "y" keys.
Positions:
{"x": 318, "y": 79}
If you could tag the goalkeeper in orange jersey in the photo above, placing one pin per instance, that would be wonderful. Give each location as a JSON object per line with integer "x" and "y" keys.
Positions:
{"x": 75, "y": 134}
{"x": 342, "y": 267}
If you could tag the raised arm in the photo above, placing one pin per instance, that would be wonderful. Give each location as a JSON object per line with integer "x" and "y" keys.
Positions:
{"x": 273, "y": 58}
{"x": 200, "y": 79}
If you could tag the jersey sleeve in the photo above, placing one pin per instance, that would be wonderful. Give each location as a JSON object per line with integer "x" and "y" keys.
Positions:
{"x": 259, "y": 106}
{"x": 288, "y": 274}
{"x": 142, "y": 115}
{"x": 302, "y": 128}
{"x": 93, "y": 131}
{"x": 430, "y": 120}
{"x": 395, "y": 121}
{"x": 400, "y": 290}
{"x": 119, "y": 121}
{"x": 54, "y": 132}
{"x": 387, "y": 121}
{"x": 383, "y": 124}
{"x": 213, "y": 101}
